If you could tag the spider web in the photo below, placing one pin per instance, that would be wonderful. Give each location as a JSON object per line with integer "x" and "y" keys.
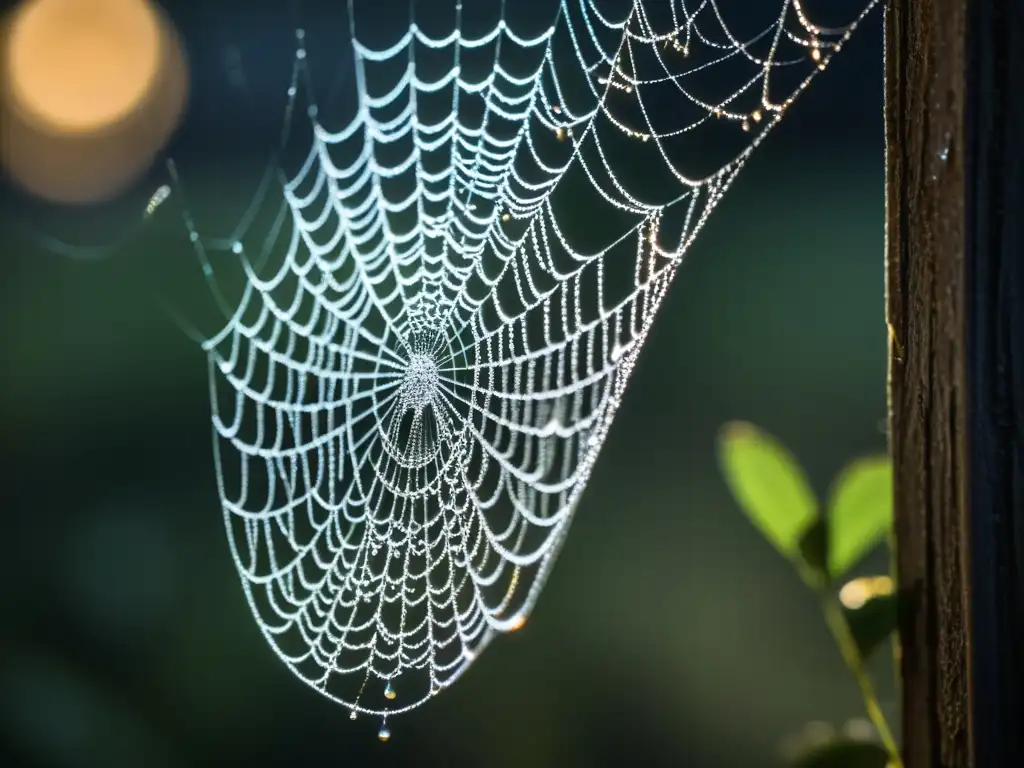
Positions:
{"x": 436, "y": 329}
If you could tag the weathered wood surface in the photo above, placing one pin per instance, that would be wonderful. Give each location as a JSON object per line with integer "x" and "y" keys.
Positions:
{"x": 955, "y": 272}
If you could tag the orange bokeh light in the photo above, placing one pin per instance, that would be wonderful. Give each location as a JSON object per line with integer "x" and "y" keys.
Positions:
{"x": 79, "y": 65}
{"x": 91, "y": 91}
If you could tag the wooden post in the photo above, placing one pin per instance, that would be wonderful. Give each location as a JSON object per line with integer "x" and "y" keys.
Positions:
{"x": 955, "y": 274}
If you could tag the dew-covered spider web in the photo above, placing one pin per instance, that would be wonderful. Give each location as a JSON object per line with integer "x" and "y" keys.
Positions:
{"x": 437, "y": 326}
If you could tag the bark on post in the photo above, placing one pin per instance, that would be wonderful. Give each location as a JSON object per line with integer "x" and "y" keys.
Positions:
{"x": 955, "y": 268}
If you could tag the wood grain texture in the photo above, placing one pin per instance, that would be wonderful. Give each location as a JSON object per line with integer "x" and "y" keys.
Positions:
{"x": 955, "y": 300}
{"x": 924, "y": 263}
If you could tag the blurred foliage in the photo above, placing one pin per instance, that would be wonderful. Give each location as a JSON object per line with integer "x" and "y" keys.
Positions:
{"x": 844, "y": 753}
{"x": 769, "y": 486}
{"x": 872, "y": 622}
{"x": 860, "y": 512}
{"x": 772, "y": 489}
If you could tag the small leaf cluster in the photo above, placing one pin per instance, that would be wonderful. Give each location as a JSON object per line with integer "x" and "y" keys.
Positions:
{"x": 824, "y": 542}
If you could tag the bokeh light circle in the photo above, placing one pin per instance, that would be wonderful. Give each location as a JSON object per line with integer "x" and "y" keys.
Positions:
{"x": 90, "y": 91}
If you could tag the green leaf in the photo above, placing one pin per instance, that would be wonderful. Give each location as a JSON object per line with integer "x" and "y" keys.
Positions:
{"x": 860, "y": 511}
{"x": 768, "y": 484}
{"x": 872, "y": 623}
{"x": 844, "y": 753}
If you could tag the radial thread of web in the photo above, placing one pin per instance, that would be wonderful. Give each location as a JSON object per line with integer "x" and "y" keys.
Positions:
{"x": 411, "y": 393}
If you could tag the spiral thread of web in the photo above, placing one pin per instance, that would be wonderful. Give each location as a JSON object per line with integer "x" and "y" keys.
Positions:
{"x": 411, "y": 393}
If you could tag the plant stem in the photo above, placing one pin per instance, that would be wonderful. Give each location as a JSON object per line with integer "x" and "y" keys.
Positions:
{"x": 851, "y": 655}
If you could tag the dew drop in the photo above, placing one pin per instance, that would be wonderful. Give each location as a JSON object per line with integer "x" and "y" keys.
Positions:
{"x": 300, "y": 54}
{"x": 236, "y": 247}
{"x": 383, "y": 734}
{"x": 942, "y": 156}
{"x": 193, "y": 236}
{"x": 300, "y": 34}
{"x": 292, "y": 90}
{"x": 353, "y": 715}
{"x": 312, "y": 111}
{"x": 389, "y": 692}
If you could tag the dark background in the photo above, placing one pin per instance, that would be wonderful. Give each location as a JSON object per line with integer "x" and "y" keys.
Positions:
{"x": 669, "y": 630}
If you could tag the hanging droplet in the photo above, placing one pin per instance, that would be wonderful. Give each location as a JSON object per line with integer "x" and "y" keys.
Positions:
{"x": 292, "y": 90}
{"x": 193, "y": 236}
{"x": 384, "y": 734}
{"x": 389, "y": 692}
{"x": 300, "y": 54}
{"x": 236, "y": 247}
{"x": 300, "y": 34}
{"x": 353, "y": 715}
{"x": 746, "y": 125}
